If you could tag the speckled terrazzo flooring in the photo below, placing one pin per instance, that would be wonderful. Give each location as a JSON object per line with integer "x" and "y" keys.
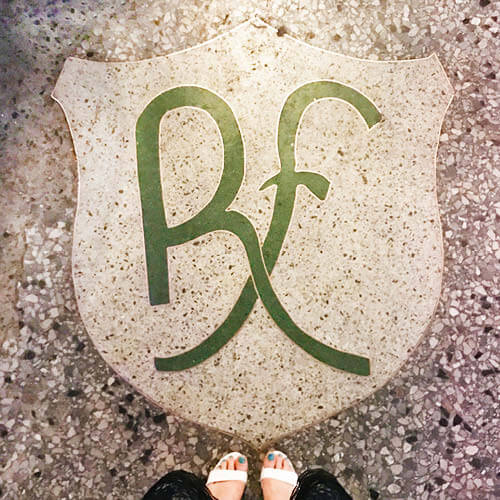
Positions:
{"x": 70, "y": 429}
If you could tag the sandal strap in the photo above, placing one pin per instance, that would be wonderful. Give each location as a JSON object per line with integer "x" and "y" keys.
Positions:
{"x": 286, "y": 476}
{"x": 227, "y": 475}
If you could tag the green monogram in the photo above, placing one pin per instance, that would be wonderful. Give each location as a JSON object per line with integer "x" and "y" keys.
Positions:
{"x": 216, "y": 216}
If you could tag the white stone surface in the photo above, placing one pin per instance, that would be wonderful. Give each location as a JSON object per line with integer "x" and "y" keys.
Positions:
{"x": 360, "y": 271}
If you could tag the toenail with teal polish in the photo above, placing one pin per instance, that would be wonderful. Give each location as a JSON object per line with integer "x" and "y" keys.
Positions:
{"x": 241, "y": 460}
{"x": 270, "y": 456}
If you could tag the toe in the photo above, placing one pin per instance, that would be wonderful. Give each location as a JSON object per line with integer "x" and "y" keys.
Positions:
{"x": 287, "y": 465}
{"x": 241, "y": 463}
{"x": 230, "y": 463}
{"x": 281, "y": 461}
{"x": 223, "y": 465}
{"x": 270, "y": 460}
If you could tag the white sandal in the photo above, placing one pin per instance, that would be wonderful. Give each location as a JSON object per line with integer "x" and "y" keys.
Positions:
{"x": 217, "y": 475}
{"x": 286, "y": 476}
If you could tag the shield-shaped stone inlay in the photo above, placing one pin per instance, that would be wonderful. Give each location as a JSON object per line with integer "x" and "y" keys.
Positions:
{"x": 257, "y": 243}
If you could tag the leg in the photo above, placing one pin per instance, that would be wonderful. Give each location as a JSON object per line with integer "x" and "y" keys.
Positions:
{"x": 318, "y": 484}
{"x": 180, "y": 485}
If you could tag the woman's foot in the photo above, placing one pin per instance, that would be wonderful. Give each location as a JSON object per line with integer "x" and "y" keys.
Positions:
{"x": 231, "y": 489}
{"x": 275, "y": 489}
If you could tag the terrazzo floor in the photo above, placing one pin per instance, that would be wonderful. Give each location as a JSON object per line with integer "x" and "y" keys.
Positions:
{"x": 69, "y": 428}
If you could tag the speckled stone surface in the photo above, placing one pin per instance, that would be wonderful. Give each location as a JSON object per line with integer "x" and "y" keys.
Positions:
{"x": 361, "y": 270}
{"x": 70, "y": 428}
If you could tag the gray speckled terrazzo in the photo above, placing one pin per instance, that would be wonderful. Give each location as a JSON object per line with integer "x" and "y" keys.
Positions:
{"x": 70, "y": 428}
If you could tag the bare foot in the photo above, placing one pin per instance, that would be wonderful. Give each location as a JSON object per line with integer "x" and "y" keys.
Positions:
{"x": 274, "y": 489}
{"x": 229, "y": 490}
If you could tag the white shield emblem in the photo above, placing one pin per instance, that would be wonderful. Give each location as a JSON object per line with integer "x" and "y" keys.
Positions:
{"x": 257, "y": 243}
